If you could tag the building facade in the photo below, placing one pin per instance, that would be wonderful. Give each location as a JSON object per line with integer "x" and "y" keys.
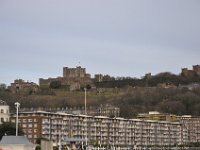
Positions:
{"x": 101, "y": 130}
{"x": 154, "y": 115}
{"x": 4, "y": 112}
{"x": 102, "y": 110}
{"x": 192, "y": 125}
{"x": 19, "y": 85}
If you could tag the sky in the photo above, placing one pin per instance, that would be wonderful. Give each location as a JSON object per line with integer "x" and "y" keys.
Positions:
{"x": 117, "y": 37}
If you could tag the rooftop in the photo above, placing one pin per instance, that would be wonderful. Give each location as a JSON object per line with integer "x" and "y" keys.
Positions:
{"x": 22, "y": 140}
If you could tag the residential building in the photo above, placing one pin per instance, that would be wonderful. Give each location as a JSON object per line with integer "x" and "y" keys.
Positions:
{"x": 192, "y": 124}
{"x": 154, "y": 115}
{"x": 108, "y": 110}
{"x": 100, "y": 129}
{"x": 102, "y": 110}
{"x": 4, "y": 112}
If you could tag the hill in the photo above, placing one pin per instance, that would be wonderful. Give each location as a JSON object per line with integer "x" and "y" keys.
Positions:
{"x": 130, "y": 100}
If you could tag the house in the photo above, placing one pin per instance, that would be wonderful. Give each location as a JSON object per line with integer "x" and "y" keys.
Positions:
{"x": 16, "y": 143}
{"x": 4, "y": 112}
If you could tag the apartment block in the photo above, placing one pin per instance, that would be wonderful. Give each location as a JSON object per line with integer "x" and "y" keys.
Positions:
{"x": 100, "y": 129}
{"x": 192, "y": 124}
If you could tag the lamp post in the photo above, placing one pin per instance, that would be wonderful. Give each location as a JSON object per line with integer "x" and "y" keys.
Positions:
{"x": 86, "y": 117}
{"x": 17, "y": 105}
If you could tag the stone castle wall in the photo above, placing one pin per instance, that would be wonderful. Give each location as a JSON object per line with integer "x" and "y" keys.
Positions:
{"x": 74, "y": 77}
{"x": 188, "y": 73}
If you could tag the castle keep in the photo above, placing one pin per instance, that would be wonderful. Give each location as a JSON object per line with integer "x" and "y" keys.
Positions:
{"x": 74, "y": 77}
{"x": 74, "y": 72}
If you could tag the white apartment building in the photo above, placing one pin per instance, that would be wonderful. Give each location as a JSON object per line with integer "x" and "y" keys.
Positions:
{"x": 4, "y": 112}
{"x": 192, "y": 125}
{"x": 101, "y": 130}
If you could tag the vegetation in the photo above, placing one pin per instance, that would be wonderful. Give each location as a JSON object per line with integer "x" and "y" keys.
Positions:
{"x": 130, "y": 100}
{"x": 165, "y": 77}
{"x": 9, "y": 128}
{"x": 55, "y": 85}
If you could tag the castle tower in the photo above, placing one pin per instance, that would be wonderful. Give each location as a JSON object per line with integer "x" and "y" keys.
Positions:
{"x": 74, "y": 72}
{"x": 196, "y": 69}
{"x": 184, "y": 72}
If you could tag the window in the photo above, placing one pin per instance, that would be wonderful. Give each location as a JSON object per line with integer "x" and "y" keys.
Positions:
{"x": 2, "y": 111}
{"x": 30, "y": 131}
{"x": 30, "y": 120}
{"x": 2, "y": 119}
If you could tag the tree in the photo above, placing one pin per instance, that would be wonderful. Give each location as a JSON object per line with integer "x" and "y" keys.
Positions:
{"x": 55, "y": 85}
{"x": 88, "y": 87}
{"x": 9, "y": 128}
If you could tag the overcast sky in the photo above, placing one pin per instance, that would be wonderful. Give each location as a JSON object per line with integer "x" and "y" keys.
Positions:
{"x": 116, "y": 37}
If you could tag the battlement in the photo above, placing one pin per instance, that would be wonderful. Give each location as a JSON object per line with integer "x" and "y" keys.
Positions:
{"x": 188, "y": 73}
{"x": 74, "y": 72}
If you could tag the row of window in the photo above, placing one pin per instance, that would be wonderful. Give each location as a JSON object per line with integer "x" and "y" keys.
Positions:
{"x": 27, "y": 120}
{"x": 30, "y": 131}
{"x": 29, "y": 125}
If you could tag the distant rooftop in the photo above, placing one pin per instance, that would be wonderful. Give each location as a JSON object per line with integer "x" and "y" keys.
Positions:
{"x": 154, "y": 113}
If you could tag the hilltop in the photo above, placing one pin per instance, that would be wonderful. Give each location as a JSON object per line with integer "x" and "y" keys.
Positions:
{"x": 164, "y": 92}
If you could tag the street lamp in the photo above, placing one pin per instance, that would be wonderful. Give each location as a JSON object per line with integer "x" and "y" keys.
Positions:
{"x": 86, "y": 116}
{"x": 17, "y": 105}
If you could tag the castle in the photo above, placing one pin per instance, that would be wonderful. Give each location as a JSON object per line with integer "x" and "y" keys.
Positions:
{"x": 190, "y": 73}
{"x": 74, "y": 78}
{"x": 75, "y": 72}
{"x": 20, "y": 84}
